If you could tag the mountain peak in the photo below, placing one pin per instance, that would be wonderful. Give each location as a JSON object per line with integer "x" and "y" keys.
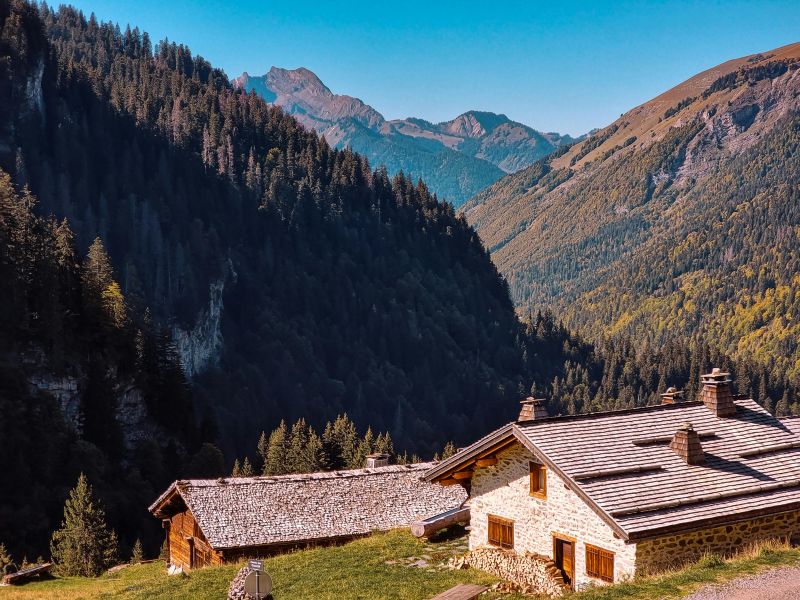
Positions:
{"x": 293, "y": 81}
{"x": 474, "y": 123}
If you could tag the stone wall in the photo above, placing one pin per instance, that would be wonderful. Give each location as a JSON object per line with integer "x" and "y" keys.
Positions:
{"x": 533, "y": 573}
{"x": 672, "y": 551}
{"x": 503, "y": 490}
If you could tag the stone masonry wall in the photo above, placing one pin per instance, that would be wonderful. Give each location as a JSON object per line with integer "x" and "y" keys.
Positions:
{"x": 503, "y": 490}
{"x": 671, "y": 551}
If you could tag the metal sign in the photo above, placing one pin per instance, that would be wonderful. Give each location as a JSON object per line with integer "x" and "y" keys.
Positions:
{"x": 255, "y": 565}
{"x": 258, "y": 583}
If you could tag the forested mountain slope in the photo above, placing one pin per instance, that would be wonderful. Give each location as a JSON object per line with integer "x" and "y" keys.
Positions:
{"x": 300, "y": 283}
{"x": 456, "y": 158}
{"x": 678, "y": 220}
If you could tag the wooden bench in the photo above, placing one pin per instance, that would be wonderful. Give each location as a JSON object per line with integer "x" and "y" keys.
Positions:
{"x": 463, "y": 591}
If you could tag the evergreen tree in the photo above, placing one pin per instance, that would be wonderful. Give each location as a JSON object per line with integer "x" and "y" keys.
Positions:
{"x": 237, "y": 469}
{"x": 247, "y": 468}
{"x": 84, "y": 546}
{"x": 137, "y": 555}
{"x": 275, "y": 462}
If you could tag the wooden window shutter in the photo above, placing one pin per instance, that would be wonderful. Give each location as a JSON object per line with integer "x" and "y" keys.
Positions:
{"x": 599, "y": 563}
{"x": 501, "y": 532}
{"x": 538, "y": 480}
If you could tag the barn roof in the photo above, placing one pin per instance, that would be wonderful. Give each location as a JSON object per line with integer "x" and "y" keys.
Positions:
{"x": 620, "y": 463}
{"x": 259, "y": 511}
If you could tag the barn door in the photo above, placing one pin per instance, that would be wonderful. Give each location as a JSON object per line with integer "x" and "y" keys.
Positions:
{"x": 192, "y": 554}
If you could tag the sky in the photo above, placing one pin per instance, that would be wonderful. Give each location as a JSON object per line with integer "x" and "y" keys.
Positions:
{"x": 556, "y": 66}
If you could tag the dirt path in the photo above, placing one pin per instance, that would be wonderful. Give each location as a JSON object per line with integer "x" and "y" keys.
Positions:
{"x": 775, "y": 584}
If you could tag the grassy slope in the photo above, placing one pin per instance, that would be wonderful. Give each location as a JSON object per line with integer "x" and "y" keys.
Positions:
{"x": 354, "y": 570}
{"x": 360, "y": 570}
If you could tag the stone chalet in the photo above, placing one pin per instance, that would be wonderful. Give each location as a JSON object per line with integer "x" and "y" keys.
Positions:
{"x": 607, "y": 496}
{"x": 213, "y": 521}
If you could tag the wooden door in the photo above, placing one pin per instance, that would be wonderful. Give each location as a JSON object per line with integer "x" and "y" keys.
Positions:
{"x": 564, "y": 558}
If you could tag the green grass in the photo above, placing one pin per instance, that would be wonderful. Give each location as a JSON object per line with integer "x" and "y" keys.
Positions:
{"x": 377, "y": 567}
{"x": 710, "y": 569}
{"x": 358, "y": 569}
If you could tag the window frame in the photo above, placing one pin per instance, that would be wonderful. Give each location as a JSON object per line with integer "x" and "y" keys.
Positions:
{"x": 600, "y": 555}
{"x": 537, "y": 474}
{"x": 503, "y": 524}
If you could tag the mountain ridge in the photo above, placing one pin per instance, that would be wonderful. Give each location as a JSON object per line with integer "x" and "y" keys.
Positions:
{"x": 456, "y": 158}
{"x": 628, "y": 231}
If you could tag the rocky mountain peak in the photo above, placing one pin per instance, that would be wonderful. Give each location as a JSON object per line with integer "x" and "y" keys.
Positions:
{"x": 473, "y": 123}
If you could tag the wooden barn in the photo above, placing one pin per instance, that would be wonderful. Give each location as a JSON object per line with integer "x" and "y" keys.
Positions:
{"x": 213, "y": 521}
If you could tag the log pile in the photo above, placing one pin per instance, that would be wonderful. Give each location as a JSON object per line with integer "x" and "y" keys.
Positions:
{"x": 526, "y": 573}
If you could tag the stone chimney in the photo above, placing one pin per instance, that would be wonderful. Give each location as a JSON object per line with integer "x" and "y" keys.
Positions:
{"x": 686, "y": 444}
{"x": 377, "y": 460}
{"x": 532, "y": 409}
{"x": 672, "y": 396}
{"x": 716, "y": 393}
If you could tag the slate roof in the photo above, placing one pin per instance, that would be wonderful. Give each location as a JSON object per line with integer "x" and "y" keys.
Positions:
{"x": 620, "y": 463}
{"x": 259, "y": 511}
{"x": 793, "y": 423}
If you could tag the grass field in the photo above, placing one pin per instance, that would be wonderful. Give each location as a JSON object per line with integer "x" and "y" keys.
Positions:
{"x": 375, "y": 568}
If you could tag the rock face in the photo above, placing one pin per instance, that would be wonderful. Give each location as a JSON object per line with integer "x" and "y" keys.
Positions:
{"x": 131, "y": 408}
{"x": 200, "y": 346}
{"x": 456, "y": 158}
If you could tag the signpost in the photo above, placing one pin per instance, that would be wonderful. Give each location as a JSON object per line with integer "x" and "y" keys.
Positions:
{"x": 258, "y": 583}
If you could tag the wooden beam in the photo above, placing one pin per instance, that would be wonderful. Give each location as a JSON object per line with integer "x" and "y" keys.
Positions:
{"x": 462, "y": 474}
{"x": 449, "y": 481}
{"x": 431, "y": 525}
{"x": 486, "y": 462}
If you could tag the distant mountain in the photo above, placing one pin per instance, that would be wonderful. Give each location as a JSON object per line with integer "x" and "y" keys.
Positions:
{"x": 680, "y": 219}
{"x": 456, "y": 158}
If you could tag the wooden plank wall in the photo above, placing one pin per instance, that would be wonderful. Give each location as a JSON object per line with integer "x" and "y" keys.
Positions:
{"x": 184, "y": 528}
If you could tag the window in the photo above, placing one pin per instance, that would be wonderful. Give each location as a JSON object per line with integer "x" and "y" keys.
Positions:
{"x": 538, "y": 480}
{"x": 599, "y": 563}
{"x": 501, "y": 532}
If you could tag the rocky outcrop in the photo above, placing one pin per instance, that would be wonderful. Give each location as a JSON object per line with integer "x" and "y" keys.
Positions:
{"x": 65, "y": 391}
{"x": 530, "y": 573}
{"x": 200, "y": 346}
{"x": 131, "y": 413}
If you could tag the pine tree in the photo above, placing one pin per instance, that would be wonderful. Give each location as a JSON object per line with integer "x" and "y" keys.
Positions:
{"x": 84, "y": 546}
{"x": 276, "y": 457}
{"x": 247, "y": 468}
{"x": 137, "y": 555}
{"x": 237, "y": 469}
{"x": 449, "y": 450}
{"x": 5, "y": 557}
{"x": 296, "y": 458}
{"x": 263, "y": 450}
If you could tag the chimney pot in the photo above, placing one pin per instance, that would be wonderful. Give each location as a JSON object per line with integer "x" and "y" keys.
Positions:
{"x": 686, "y": 444}
{"x": 377, "y": 460}
{"x": 716, "y": 393}
{"x": 672, "y": 396}
{"x": 532, "y": 409}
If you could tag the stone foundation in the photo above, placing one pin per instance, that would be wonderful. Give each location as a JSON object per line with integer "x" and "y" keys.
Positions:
{"x": 672, "y": 551}
{"x": 533, "y": 573}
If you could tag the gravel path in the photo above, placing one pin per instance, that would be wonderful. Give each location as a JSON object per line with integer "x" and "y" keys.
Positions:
{"x": 782, "y": 583}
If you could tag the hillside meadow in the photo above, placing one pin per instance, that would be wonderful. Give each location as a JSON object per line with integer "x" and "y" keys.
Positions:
{"x": 380, "y": 567}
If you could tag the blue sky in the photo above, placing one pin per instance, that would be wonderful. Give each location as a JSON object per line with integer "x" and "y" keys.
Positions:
{"x": 557, "y": 66}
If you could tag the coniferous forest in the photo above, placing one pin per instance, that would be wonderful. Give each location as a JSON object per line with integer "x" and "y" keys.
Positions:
{"x": 185, "y": 267}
